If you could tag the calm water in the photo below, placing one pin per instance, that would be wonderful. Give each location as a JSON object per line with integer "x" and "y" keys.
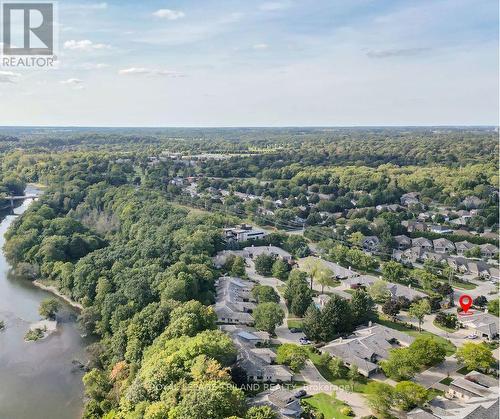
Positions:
{"x": 37, "y": 379}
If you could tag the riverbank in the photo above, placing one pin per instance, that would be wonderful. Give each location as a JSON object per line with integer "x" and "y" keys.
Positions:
{"x": 56, "y": 292}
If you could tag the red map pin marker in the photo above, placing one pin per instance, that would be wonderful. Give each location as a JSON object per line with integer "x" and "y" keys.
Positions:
{"x": 465, "y": 302}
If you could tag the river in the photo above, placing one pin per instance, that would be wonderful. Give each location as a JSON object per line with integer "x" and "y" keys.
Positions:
{"x": 37, "y": 379}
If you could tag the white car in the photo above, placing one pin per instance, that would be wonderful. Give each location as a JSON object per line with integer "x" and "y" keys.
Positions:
{"x": 304, "y": 341}
{"x": 473, "y": 336}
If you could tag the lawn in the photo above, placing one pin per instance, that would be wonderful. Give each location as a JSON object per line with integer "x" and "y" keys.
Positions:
{"x": 297, "y": 323}
{"x": 463, "y": 285}
{"x": 327, "y": 405}
{"x": 446, "y": 329}
{"x": 450, "y": 348}
{"x": 358, "y": 386}
{"x": 446, "y": 381}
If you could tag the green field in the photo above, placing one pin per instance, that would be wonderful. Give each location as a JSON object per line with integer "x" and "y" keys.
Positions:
{"x": 328, "y": 405}
{"x": 294, "y": 323}
{"x": 446, "y": 329}
{"x": 463, "y": 285}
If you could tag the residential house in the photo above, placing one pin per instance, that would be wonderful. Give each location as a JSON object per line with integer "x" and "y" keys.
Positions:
{"x": 402, "y": 242}
{"x": 484, "y": 324}
{"x": 489, "y": 235}
{"x": 398, "y": 290}
{"x": 413, "y": 226}
{"x": 410, "y": 255}
{"x": 436, "y": 228}
{"x": 234, "y": 302}
{"x": 474, "y": 385}
{"x": 435, "y": 257}
{"x": 410, "y": 198}
{"x": 458, "y": 264}
{"x": 443, "y": 408}
{"x": 254, "y": 337}
{"x": 284, "y": 403}
{"x": 424, "y": 216}
{"x": 371, "y": 243}
{"x": 443, "y": 245}
{"x": 258, "y": 363}
{"x": 488, "y": 250}
{"x": 479, "y": 269}
{"x": 243, "y": 233}
{"x": 463, "y": 246}
{"x": 422, "y": 243}
{"x": 254, "y": 251}
{"x": 367, "y": 346}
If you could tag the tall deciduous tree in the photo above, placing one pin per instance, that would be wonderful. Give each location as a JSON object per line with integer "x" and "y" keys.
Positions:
{"x": 475, "y": 356}
{"x": 418, "y": 310}
{"x": 268, "y": 316}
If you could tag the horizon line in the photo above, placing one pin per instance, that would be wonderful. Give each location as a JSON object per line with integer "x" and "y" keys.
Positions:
{"x": 257, "y": 126}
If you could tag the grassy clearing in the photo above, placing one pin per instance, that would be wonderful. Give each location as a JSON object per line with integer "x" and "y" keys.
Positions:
{"x": 446, "y": 329}
{"x": 450, "y": 348}
{"x": 463, "y": 285}
{"x": 358, "y": 385}
{"x": 329, "y": 406}
{"x": 297, "y": 323}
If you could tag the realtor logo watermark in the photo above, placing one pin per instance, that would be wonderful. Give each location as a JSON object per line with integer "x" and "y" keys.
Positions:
{"x": 29, "y": 34}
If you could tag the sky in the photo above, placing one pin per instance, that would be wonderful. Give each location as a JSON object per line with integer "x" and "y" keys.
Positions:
{"x": 264, "y": 63}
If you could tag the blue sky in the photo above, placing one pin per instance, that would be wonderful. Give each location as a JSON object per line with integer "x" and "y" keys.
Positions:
{"x": 264, "y": 63}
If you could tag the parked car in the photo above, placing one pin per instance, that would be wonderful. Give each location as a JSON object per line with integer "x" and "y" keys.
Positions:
{"x": 301, "y": 393}
{"x": 295, "y": 330}
{"x": 473, "y": 336}
{"x": 304, "y": 341}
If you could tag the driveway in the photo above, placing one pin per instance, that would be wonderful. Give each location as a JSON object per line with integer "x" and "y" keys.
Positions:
{"x": 434, "y": 375}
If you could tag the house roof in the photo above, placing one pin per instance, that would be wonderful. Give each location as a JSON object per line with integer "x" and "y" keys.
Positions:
{"x": 402, "y": 239}
{"x": 420, "y": 241}
{"x": 259, "y": 250}
{"x": 443, "y": 242}
{"x": 484, "y": 322}
{"x": 366, "y": 280}
{"x": 365, "y": 344}
{"x": 488, "y": 247}
{"x": 464, "y": 245}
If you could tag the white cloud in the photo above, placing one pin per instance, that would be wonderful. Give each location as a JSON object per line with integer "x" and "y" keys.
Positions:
{"x": 272, "y": 6}
{"x": 9, "y": 77}
{"x": 142, "y": 71}
{"x": 94, "y": 66}
{"x": 84, "y": 45}
{"x": 260, "y": 46}
{"x": 72, "y": 82}
{"x": 396, "y": 52}
{"x": 169, "y": 14}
